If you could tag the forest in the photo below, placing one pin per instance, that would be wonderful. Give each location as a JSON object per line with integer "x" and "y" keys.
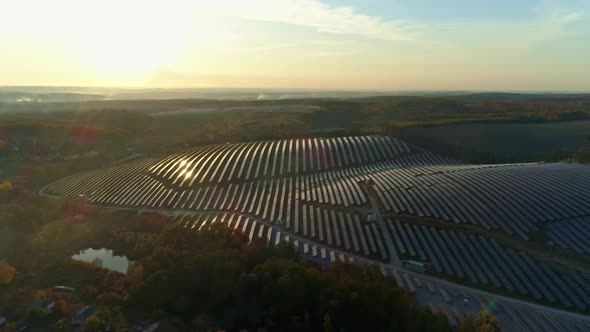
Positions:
{"x": 116, "y": 127}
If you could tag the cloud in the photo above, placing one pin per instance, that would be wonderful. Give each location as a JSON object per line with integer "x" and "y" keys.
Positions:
{"x": 555, "y": 19}
{"x": 315, "y": 15}
{"x": 255, "y": 49}
{"x": 324, "y": 54}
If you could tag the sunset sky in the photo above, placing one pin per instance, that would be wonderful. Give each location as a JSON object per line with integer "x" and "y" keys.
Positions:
{"x": 327, "y": 44}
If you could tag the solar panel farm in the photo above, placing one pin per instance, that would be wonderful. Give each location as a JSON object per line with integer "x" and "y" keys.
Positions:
{"x": 295, "y": 166}
{"x": 509, "y": 238}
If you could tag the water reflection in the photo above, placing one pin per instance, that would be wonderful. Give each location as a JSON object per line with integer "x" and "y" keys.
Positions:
{"x": 104, "y": 258}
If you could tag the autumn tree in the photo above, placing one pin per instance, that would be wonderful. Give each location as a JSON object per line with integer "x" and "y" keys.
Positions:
{"x": 41, "y": 294}
{"x": 62, "y": 325}
{"x": 5, "y": 186}
{"x": 9, "y": 327}
{"x": 135, "y": 275}
{"x": 486, "y": 322}
{"x": 7, "y": 273}
{"x": 92, "y": 324}
{"x": 61, "y": 307}
{"x": 3, "y": 145}
{"x": 197, "y": 274}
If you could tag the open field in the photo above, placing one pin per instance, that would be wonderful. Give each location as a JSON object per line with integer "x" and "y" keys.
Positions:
{"x": 522, "y": 141}
{"x": 316, "y": 194}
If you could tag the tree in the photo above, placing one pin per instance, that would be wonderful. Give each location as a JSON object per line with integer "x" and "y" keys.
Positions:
{"x": 109, "y": 299}
{"x": 37, "y": 315}
{"x": 328, "y": 327}
{"x": 92, "y": 324}
{"x": 62, "y": 325}
{"x": 486, "y": 322}
{"x": 61, "y": 307}
{"x": 41, "y": 295}
{"x": 582, "y": 155}
{"x": 135, "y": 275}
{"x": 466, "y": 325}
{"x": 3, "y": 145}
{"x": 196, "y": 274}
{"x": 9, "y": 327}
{"x": 7, "y": 273}
{"x": 5, "y": 186}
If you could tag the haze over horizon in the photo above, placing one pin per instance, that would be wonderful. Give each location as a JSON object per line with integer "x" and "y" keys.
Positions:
{"x": 305, "y": 44}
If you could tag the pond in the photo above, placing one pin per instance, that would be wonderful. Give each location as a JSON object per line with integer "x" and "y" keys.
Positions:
{"x": 104, "y": 258}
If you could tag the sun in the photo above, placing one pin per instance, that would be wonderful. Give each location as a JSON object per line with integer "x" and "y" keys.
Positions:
{"x": 131, "y": 43}
{"x": 125, "y": 39}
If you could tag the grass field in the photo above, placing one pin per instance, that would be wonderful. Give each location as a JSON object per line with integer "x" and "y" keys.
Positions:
{"x": 519, "y": 141}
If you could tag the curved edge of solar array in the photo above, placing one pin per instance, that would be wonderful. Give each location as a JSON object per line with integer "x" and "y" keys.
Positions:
{"x": 223, "y": 163}
{"x": 316, "y": 194}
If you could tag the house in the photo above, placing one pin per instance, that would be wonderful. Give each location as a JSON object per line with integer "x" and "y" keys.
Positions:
{"x": 81, "y": 316}
{"x": 43, "y": 305}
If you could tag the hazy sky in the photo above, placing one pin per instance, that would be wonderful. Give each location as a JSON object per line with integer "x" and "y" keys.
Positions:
{"x": 327, "y": 44}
